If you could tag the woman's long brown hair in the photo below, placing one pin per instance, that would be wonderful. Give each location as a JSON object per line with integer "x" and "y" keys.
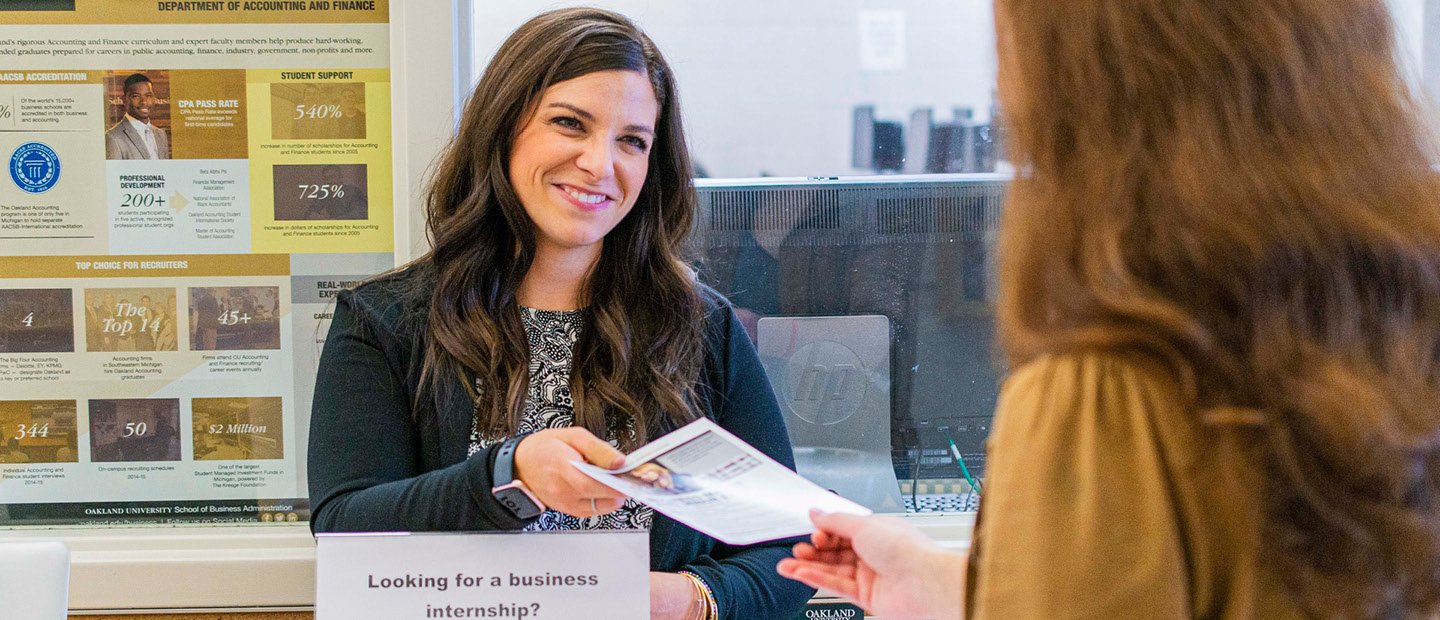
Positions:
{"x": 1245, "y": 189}
{"x": 639, "y": 354}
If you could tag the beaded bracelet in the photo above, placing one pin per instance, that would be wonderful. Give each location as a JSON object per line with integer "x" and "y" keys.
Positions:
{"x": 712, "y": 608}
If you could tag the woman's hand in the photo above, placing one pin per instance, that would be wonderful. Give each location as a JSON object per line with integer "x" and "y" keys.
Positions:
{"x": 542, "y": 462}
{"x": 673, "y": 597}
{"x": 881, "y": 564}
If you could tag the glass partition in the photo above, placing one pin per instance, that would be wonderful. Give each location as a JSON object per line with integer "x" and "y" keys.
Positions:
{"x": 870, "y": 302}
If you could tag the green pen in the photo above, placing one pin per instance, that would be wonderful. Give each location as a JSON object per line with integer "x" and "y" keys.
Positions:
{"x": 955, "y": 451}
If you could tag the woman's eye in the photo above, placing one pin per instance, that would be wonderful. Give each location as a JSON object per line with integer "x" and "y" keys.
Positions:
{"x": 637, "y": 142}
{"x": 567, "y": 122}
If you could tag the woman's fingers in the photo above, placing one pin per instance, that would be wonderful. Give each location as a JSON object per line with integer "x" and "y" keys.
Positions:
{"x": 829, "y": 556}
{"x": 839, "y": 571}
{"x": 582, "y": 506}
{"x": 580, "y": 485}
{"x": 819, "y": 575}
{"x": 846, "y": 558}
{"x": 827, "y": 540}
{"x": 607, "y": 506}
{"x": 787, "y": 566}
{"x": 544, "y": 462}
{"x": 595, "y": 451}
{"x": 588, "y": 508}
{"x": 578, "y": 492}
{"x": 837, "y": 524}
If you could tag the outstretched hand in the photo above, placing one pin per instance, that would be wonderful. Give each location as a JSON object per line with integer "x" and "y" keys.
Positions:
{"x": 543, "y": 462}
{"x": 882, "y": 564}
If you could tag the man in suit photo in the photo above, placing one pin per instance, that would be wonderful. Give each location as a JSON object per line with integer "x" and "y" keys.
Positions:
{"x": 134, "y": 137}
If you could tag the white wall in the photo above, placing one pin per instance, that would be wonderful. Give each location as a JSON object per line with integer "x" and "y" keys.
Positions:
{"x": 770, "y": 86}
{"x": 1431, "y": 49}
{"x": 424, "y": 85}
{"x": 1410, "y": 33}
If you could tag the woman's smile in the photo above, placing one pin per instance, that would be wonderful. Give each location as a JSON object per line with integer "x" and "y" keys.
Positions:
{"x": 585, "y": 200}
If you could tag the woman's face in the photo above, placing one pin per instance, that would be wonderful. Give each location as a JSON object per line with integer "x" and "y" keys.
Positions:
{"x": 579, "y": 162}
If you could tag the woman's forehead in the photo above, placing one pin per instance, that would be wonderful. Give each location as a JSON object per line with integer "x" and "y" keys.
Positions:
{"x": 620, "y": 93}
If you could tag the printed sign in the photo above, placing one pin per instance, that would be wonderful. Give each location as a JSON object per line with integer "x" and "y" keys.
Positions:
{"x": 534, "y": 576}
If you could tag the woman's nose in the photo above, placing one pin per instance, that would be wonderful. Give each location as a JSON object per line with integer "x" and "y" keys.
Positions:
{"x": 597, "y": 158}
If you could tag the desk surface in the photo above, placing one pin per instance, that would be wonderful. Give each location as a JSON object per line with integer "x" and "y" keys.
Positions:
{"x": 235, "y": 570}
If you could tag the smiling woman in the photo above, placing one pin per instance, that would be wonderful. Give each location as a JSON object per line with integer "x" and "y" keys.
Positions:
{"x": 555, "y": 320}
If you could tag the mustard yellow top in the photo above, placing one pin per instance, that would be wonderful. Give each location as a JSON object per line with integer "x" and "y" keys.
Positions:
{"x": 1107, "y": 497}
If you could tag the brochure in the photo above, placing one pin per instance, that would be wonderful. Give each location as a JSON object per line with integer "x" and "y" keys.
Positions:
{"x": 708, "y": 479}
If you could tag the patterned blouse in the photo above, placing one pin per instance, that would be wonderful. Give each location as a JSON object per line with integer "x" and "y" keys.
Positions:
{"x": 552, "y": 335}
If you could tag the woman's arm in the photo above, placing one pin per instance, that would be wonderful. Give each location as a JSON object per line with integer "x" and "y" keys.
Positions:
{"x": 366, "y": 471}
{"x": 882, "y": 564}
{"x": 743, "y": 578}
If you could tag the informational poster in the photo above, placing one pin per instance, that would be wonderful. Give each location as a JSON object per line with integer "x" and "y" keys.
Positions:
{"x": 187, "y": 186}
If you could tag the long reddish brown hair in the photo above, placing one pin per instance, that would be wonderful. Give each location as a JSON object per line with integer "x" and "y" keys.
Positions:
{"x": 1245, "y": 190}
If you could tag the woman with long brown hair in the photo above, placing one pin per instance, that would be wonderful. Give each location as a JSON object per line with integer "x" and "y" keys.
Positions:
{"x": 553, "y": 321}
{"x": 1221, "y": 300}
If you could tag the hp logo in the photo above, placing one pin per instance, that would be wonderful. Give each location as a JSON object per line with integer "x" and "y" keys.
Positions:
{"x": 825, "y": 383}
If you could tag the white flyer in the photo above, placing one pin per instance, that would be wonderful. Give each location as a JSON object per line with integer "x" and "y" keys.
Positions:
{"x": 711, "y": 480}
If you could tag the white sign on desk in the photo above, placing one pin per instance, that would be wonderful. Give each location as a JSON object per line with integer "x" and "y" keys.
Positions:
{"x": 534, "y": 576}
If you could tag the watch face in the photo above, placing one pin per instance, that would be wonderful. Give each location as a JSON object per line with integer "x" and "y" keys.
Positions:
{"x": 518, "y": 502}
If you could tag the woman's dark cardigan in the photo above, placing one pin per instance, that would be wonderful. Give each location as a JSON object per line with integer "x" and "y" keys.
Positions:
{"x": 376, "y": 466}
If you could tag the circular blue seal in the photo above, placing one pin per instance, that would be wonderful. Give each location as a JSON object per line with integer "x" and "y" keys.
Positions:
{"x": 34, "y": 167}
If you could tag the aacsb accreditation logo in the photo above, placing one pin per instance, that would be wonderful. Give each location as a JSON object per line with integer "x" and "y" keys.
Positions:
{"x": 34, "y": 167}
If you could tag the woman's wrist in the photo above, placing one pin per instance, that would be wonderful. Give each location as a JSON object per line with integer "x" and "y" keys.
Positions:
{"x": 674, "y": 596}
{"x": 696, "y": 609}
{"x": 945, "y": 590}
{"x": 704, "y": 606}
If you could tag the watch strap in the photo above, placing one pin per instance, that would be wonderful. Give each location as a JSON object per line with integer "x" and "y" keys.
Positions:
{"x": 504, "y": 472}
{"x": 509, "y": 491}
